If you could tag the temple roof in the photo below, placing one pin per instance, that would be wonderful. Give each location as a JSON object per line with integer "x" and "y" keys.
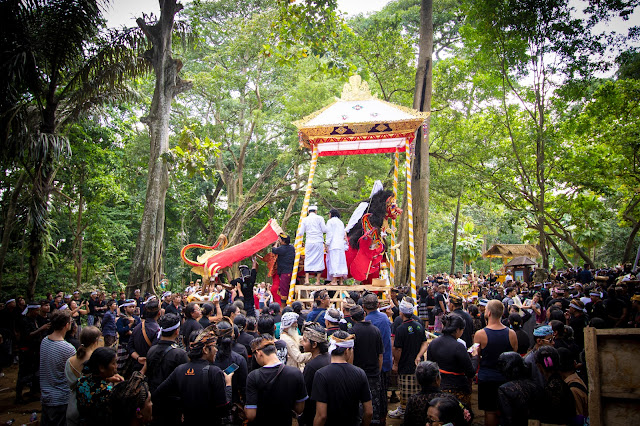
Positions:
{"x": 359, "y": 123}
{"x": 512, "y": 250}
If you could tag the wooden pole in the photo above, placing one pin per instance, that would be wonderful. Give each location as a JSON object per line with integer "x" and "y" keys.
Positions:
{"x": 392, "y": 258}
{"x": 303, "y": 214}
{"x": 412, "y": 254}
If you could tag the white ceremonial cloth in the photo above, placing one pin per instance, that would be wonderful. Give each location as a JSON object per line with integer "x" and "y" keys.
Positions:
{"x": 335, "y": 234}
{"x": 314, "y": 228}
{"x": 337, "y": 263}
{"x": 314, "y": 257}
{"x": 336, "y": 258}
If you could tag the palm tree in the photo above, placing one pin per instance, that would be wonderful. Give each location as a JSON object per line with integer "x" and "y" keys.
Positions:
{"x": 55, "y": 65}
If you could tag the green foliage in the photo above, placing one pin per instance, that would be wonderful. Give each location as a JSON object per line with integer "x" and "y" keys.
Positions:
{"x": 512, "y": 80}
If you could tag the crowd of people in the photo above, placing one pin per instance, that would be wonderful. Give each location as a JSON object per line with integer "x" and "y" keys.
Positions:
{"x": 234, "y": 359}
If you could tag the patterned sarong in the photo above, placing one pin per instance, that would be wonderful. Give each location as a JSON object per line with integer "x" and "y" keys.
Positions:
{"x": 121, "y": 356}
{"x": 408, "y": 386}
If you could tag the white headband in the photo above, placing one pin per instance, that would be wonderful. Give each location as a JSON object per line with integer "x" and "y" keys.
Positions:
{"x": 124, "y": 305}
{"x": 332, "y": 319}
{"x": 9, "y": 301}
{"x": 166, "y": 294}
{"x": 595, "y": 293}
{"x": 406, "y": 307}
{"x": 345, "y": 344}
{"x": 149, "y": 299}
{"x": 30, "y": 307}
{"x": 173, "y": 327}
{"x": 63, "y": 307}
{"x": 574, "y": 306}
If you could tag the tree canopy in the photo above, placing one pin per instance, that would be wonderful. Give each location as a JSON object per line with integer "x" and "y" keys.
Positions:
{"x": 533, "y": 135}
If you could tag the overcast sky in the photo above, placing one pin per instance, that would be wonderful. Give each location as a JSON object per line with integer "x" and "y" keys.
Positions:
{"x": 125, "y": 12}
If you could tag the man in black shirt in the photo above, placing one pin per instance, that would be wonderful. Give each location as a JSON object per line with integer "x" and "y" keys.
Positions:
{"x": 144, "y": 334}
{"x": 162, "y": 359}
{"x": 409, "y": 345}
{"x": 175, "y": 307}
{"x": 245, "y": 285}
{"x": 244, "y": 338}
{"x": 314, "y": 341}
{"x": 275, "y": 389}
{"x": 286, "y": 256}
{"x": 204, "y": 390}
{"x": 340, "y": 387}
{"x": 455, "y": 306}
{"x": 93, "y": 314}
{"x": 192, "y": 314}
{"x": 367, "y": 354}
{"x": 29, "y": 337}
{"x": 439, "y": 310}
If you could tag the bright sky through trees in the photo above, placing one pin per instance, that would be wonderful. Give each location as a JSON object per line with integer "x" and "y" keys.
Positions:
{"x": 125, "y": 12}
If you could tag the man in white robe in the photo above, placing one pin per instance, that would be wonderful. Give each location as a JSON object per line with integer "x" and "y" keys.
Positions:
{"x": 336, "y": 258}
{"x": 314, "y": 228}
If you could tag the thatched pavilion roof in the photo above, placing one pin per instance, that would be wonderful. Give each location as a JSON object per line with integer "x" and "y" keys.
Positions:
{"x": 512, "y": 250}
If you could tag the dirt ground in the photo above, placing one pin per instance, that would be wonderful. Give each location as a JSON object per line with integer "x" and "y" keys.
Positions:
{"x": 477, "y": 420}
{"x": 21, "y": 413}
{"x": 8, "y": 410}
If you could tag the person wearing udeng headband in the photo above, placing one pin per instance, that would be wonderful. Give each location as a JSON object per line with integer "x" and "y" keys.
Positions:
{"x": 340, "y": 387}
{"x": 203, "y": 388}
{"x": 275, "y": 389}
{"x": 409, "y": 344}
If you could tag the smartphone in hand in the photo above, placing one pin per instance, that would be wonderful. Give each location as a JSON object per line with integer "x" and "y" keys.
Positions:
{"x": 230, "y": 369}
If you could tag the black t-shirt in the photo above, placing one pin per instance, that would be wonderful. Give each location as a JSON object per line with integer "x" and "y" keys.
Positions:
{"x": 100, "y": 304}
{"x": 171, "y": 309}
{"x": 342, "y": 387}
{"x": 347, "y": 325}
{"x": 398, "y": 320}
{"x": 281, "y": 351}
{"x": 409, "y": 337}
{"x": 92, "y": 307}
{"x": 439, "y": 297}
{"x": 367, "y": 348}
{"x": 190, "y": 325}
{"x": 275, "y": 397}
{"x": 247, "y": 289}
{"x": 309, "y": 373}
{"x": 162, "y": 359}
{"x": 286, "y": 256}
{"x": 26, "y": 326}
{"x": 239, "y": 379}
{"x": 423, "y": 293}
{"x": 204, "y": 322}
{"x": 245, "y": 339}
{"x": 187, "y": 381}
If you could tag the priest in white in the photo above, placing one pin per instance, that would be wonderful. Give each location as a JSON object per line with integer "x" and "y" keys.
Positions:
{"x": 314, "y": 228}
{"x": 336, "y": 259}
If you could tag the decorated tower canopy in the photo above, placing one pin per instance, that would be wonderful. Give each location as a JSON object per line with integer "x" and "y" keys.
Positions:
{"x": 359, "y": 123}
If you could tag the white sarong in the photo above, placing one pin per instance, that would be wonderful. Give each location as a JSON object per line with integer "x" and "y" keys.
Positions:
{"x": 336, "y": 264}
{"x": 314, "y": 257}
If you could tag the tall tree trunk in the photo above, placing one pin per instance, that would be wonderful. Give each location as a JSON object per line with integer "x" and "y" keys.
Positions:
{"x": 78, "y": 240}
{"x": 422, "y": 102}
{"x": 9, "y": 221}
{"x": 557, "y": 249}
{"x": 455, "y": 237}
{"x": 628, "y": 248}
{"x": 147, "y": 258}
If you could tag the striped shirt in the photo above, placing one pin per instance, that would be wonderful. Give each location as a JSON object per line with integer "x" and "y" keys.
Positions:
{"x": 54, "y": 389}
